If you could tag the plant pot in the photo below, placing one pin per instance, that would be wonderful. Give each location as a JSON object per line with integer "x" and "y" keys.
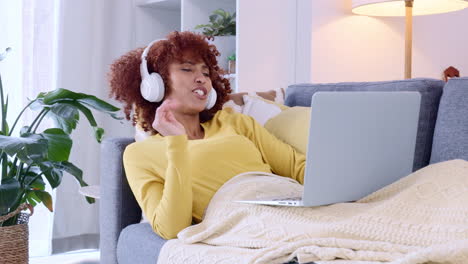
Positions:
{"x": 14, "y": 240}
{"x": 226, "y": 45}
{"x": 232, "y": 67}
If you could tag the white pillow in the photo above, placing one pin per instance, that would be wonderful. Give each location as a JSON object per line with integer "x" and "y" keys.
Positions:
{"x": 234, "y": 106}
{"x": 259, "y": 109}
{"x": 140, "y": 134}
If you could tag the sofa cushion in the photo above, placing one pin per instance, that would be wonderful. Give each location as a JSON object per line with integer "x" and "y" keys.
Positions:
{"x": 451, "y": 130}
{"x": 292, "y": 127}
{"x": 139, "y": 244}
{"x": 430, "y": 89}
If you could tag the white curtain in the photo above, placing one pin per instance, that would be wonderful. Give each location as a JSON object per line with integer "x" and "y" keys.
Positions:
{"x": 29, "y": 29}
{"x": 66, "y": 44}
{"x": 39, "y": 66}
{"x": 92, "y": 33}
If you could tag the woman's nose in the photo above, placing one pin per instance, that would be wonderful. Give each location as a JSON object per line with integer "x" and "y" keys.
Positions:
{"x": 200, "y": 78}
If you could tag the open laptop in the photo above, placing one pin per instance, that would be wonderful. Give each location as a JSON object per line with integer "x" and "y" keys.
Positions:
{"x": 358, "y": 143}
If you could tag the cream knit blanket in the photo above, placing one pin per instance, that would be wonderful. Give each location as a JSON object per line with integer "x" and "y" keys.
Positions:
{"x": 422, "y": 218}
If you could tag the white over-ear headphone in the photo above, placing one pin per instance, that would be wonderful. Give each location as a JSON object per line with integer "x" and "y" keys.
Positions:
{"x": 152, "y": 85}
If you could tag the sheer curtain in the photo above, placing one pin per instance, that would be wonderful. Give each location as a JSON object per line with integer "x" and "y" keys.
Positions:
{"x": 28, "y": 27}
{"x": 66, "y": 44}
{"x": 91, "y": 35}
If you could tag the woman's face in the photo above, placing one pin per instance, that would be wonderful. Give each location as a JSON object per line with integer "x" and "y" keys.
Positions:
{"x": 189, "y": 85}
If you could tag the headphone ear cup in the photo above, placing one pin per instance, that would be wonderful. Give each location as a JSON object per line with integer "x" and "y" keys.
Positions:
{"x": 212, "y": 97}
{"x": 152, "y": 88}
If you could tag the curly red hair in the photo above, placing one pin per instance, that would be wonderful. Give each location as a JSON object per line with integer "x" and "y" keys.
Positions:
{"x": 125, "y": 78}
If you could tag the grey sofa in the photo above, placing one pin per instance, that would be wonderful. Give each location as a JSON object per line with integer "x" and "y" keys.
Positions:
{"x": 442, "y": 135}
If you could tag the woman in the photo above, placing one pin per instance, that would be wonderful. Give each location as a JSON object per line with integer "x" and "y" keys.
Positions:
{"x": 194, "y": 150}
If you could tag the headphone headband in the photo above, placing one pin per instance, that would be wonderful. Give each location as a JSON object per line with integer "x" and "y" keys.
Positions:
{"x": 144, "y": 64}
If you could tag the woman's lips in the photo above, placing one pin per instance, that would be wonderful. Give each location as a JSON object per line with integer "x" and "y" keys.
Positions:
{"x": 201, "y": 95}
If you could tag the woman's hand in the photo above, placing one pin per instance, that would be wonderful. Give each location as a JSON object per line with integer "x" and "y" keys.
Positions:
{"x": 165, "y": 122}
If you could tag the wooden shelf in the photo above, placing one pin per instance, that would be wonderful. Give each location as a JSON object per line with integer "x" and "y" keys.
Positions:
{"x": 163, "y": 4}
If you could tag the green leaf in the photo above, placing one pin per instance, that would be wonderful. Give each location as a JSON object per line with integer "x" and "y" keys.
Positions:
{"x": 52, "y": 173}
{"x": 221, "y": 13}
{"x": 45, "y": 198}
{"x": 72, "y": 170}
{"x": 98, "y": 133}
{"x": 5, "y": 164}
{"x": 64, "y": 116}
{"x": 38, "y": 103}
{"x": 5, "y": 113}
{"x": 89, "y": 115}
{"x": 60, "y": 95}
{"x": 9, "y": 194}
{"x": 7, "y": 129}
{"x": 77, "y": 173}
{"x": 38, "y": 183}
{"x": 202, "y": 26}
{"x": 31, "y": 198}
{"x": 24, "y": 131}
{"x": 59, "y": 144}
{"x": 29, "y": 148}
{"x": 212, "y": 18}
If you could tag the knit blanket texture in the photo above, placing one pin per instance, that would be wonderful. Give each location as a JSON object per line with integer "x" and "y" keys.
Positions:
{"x": 422, "y": 218}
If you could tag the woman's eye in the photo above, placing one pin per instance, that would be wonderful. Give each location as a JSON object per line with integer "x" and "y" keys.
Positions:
{"x": 206, "y": 74}
{"x": 187, "y": 70}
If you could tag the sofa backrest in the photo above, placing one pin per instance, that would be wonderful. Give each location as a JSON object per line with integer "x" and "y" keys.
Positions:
{"x": 430, "y": 89}
{"x": 451, "y": 130}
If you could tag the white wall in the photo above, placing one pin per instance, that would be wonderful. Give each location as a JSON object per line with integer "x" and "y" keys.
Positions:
{"x": 347, "y": 47}
{"x": 153, "y": 23}
{"x": 273, "y": 43}
{"x": 303, "y": 41}
{"x": 266, "y": 33}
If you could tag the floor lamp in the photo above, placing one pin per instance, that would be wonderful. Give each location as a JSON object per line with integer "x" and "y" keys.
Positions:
{"x": 407, "y": 8}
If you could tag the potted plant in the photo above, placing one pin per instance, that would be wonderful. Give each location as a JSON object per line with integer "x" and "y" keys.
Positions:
{"x": 35, "y": 157}
{"x": 232, "y": 64}
{"x": 222, "y": 27}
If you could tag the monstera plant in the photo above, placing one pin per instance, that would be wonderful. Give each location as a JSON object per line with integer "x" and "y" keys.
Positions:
{"x": 35, "y": 157}
{"x": 222, "y": 23}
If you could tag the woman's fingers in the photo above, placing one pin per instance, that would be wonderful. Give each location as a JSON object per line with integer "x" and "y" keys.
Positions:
{"x": 165, "y": 122}
{"x": 160, "y": 117}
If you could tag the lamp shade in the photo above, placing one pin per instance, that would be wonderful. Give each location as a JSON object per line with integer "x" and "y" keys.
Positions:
{"x": 397, "y": 7}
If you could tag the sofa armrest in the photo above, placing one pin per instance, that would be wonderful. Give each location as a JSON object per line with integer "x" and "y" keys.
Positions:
{"x": 118, "y": 207}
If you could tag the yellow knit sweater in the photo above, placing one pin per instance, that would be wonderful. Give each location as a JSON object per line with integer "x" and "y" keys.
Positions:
{"x": 173, "y": 178}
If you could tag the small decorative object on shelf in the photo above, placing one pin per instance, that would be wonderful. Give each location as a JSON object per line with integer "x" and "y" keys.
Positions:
{"x": 232, "y": 64}
{"x": 230, "y": 76}
{"x": 450, "y": 72}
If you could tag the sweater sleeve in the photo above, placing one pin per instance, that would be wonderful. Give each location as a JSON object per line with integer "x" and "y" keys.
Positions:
{"x": 166, "y": 202}
{"x": 282, "y": 158}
